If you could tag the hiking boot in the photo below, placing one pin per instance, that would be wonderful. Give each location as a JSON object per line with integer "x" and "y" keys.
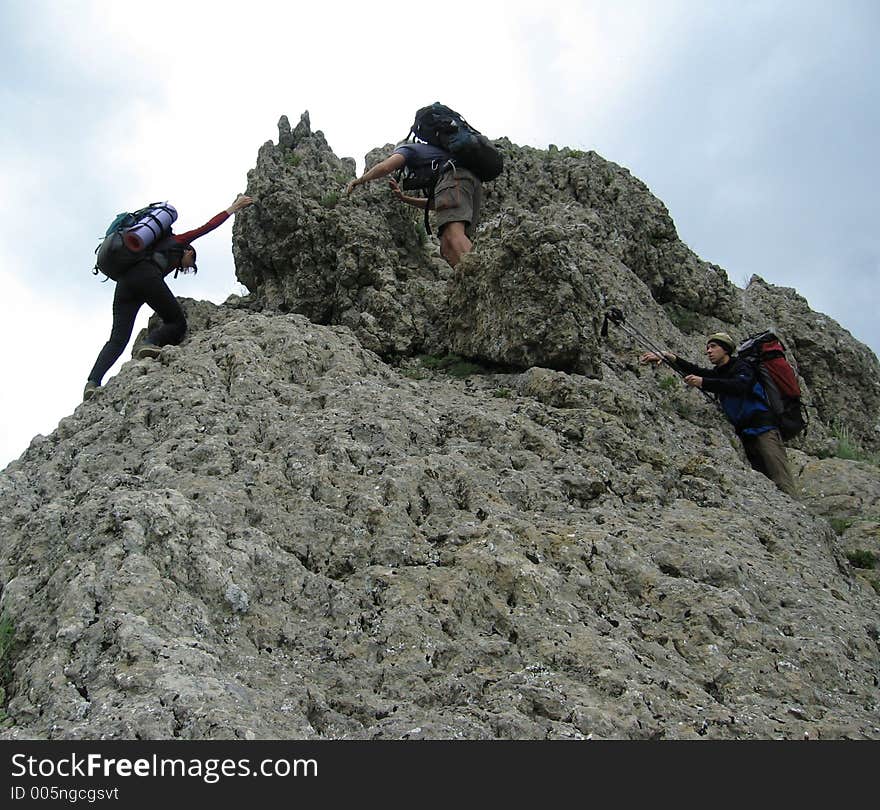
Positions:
{"x": 147, "y": 350}
{"x": 89, "y": 390}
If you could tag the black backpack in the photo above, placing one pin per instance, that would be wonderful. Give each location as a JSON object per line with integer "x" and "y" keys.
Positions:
{"x": 441, "y": 126}
{"x": 444, "y": 128}
{"x": 779, "y": 381}
{"x": 117, "y": 252}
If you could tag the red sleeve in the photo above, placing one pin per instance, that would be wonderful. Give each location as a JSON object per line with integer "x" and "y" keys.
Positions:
{"x": 214, "y": 222}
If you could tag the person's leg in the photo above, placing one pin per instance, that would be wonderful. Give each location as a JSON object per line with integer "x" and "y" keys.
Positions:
{"x": 771, "y": 449}
{"x": 454, "y": 242}
{"x": 159, "y": 297}
{"x": 456, "y": 204}
{"x": 766, "y": 453}
{"x": 752, "y": 455}
{"x": 126, "y": 304}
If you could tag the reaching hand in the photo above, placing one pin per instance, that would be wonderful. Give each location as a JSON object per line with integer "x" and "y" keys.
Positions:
{"x": 653, "y": 357}
{"x": 351, "y": 187}
{"x": 241, "y": 201}
{"x": 694, "y": 380}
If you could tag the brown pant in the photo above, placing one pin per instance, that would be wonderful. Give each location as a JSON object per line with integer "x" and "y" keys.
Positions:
{"x": 766, "y": 453}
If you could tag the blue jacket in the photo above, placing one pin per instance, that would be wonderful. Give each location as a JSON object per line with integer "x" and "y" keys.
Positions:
{"x": 741, "y": 396}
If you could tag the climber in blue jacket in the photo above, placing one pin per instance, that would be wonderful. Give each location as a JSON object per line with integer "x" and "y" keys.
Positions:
{"x": 734, "y": 382}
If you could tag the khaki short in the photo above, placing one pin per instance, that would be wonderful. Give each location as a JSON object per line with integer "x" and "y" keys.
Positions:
{"x": 457, "y": 198}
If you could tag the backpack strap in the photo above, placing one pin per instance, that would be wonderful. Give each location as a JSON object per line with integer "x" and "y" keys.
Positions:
{"x": 425, "y": 179}
{"x": 429, "y": 203}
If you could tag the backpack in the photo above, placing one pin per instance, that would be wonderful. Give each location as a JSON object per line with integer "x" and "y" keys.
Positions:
{"x": 129, "y": 235}
{"x": 423, "y": 179}
{"x": 779, "y": 381}
{"x": 441, "y": 126}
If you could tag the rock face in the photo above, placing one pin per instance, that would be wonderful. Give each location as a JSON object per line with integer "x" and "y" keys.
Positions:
{"x": 550, "y": 303}
{"x": 847, "y": 493}
{"x": 305, "y": 248}
{"x": 565, "y": 235}
{"x": 292, "y": 526}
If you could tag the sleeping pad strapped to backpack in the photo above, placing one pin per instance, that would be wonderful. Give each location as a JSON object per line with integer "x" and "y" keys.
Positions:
{"x": 779, "y": 381}
{"x": 130, "y": 236}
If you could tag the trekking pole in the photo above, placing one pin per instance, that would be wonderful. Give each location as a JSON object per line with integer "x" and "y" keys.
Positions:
{"x": 616, "y": 316}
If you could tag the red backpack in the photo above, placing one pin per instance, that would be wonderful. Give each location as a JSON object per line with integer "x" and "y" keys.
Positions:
{"x": 779, "y": 381}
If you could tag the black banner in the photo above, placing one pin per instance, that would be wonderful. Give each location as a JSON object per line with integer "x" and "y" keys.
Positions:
{"x": 141, "y": 773}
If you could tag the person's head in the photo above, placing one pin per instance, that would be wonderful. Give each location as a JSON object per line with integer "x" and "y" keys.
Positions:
{"x": 188, "y": 259}
{"x": 181, "y": 256}
{"x": 719, "y": 347}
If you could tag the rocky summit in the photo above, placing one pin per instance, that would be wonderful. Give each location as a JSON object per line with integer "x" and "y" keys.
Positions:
{"x": 379, "y": 498}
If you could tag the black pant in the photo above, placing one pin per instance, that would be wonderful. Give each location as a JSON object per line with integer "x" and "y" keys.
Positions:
{"x": 141, "y": 284}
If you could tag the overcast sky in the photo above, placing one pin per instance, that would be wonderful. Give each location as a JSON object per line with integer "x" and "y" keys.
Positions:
{"x": 756, "y": 123}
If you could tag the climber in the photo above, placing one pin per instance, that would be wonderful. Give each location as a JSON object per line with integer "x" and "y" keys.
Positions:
{"x": 732, "y": 379}
{"x": 143, "y": 283}
{"x": 456, "y": 198}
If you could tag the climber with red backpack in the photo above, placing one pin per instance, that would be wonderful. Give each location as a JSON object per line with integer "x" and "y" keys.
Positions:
{"x": 138, "y": 251}
{"x": 448, "y": 160}
{"x": 744, "y": 385}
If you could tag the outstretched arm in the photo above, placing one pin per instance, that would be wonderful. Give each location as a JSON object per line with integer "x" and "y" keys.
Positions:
{"x": 693, "y": 375}
{"x": 385, "y": 167}
{"x": 241, "y": 201}
{"x": 739, "y": 383}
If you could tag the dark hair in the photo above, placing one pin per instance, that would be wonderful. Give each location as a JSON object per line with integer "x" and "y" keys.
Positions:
{"x": 174, "y": 251}
{"x": 186, "y": 247}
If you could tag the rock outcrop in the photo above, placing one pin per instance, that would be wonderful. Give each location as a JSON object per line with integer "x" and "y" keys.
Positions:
{"x": 565, "y": 235}
{"x": 305, "y": 248}
{"x": 307, "y": 522}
